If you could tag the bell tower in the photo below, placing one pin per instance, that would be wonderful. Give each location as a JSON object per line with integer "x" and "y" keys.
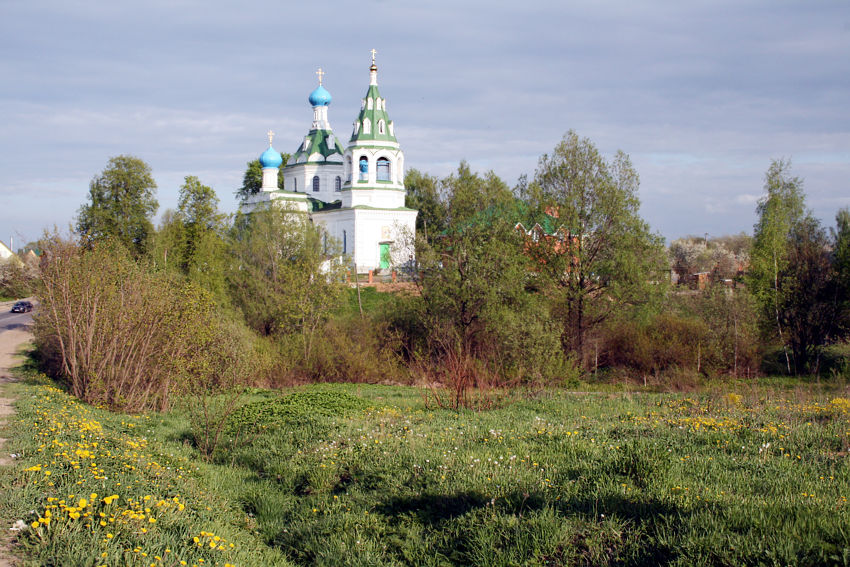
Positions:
{"x": 373, "y": 163}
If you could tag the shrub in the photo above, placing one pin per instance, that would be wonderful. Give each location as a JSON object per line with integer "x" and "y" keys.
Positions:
{"x": 124, "y": 336}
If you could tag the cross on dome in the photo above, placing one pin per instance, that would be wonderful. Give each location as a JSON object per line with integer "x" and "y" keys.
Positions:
{"x": 373, "y": 52}
{"x": 270, "y": 134}
{"x": 321, "y": 74}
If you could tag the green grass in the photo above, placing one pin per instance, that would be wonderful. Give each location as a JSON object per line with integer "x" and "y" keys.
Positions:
{"x": 372, "y": 300}
{"x": 368, "y": 475}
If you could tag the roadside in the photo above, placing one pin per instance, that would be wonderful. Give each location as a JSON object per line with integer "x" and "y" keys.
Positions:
{"x": 11, "y": 341}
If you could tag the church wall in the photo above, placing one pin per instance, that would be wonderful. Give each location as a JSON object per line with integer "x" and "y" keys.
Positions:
{"x": 375, "y": 227}
{"x": 304, "y": 173}
{"x": 366, "y": 229}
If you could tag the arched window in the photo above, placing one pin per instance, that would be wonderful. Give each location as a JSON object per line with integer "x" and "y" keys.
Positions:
{"x": 369, "y": 104}
{"x": 381, "y": 125}
{"x": 364, "y": 168}
{"x": 383, "y": 169}
{"x": 338, "y": 183}
{"x": 315, "y": 183}
{"x": 367, "y": 126}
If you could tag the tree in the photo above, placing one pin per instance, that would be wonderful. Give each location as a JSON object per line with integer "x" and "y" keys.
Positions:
{"x": 468, "y": 193}
{"x": 191, "y": 239}
{"x": 780, "y": 210}
{"x": 121, "y": 205}
{"x": 841, "y": 254}
{"x": 482, "y": 323}
{"x": 282, "y": 276}
{"x": 604, "y": 259}
{"x": 252, "y": 181}
{"x": 806, "y": 295}
{"x": 204, "y": 250}
{"x": 423, "y": 194}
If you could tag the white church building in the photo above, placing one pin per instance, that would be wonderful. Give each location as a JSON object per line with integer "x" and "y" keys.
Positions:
{"x": 356, "y": 193}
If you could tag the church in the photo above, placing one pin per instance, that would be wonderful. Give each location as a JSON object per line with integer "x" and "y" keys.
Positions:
{"x": 355, "y": 192}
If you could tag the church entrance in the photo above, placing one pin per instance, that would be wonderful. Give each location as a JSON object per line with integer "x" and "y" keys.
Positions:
{"x": 384, "y": 249}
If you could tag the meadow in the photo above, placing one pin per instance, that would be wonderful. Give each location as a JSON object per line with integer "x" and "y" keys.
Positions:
{"x": 741, "y": 474}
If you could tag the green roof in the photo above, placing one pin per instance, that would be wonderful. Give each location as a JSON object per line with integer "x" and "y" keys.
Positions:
{"x": 374, "y": 116}
{"x": 318, "y": 143}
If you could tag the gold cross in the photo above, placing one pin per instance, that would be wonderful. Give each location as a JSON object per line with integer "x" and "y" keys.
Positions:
{"x": 270, "y": 135}
{"x": 321, "y": 74}
{"x": 373, "y": 52}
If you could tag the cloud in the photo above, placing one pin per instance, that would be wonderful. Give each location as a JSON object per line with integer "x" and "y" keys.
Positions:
{"x": 702, "y": 95}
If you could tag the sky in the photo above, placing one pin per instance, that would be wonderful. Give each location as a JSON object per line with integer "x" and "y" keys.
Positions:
{"x": 702, "y": 95}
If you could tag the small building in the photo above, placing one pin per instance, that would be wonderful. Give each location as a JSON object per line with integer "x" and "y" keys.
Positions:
{"x": 6, "y": 252}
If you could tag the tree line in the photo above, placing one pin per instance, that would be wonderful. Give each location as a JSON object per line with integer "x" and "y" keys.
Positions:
{"x": 551, "y": 281}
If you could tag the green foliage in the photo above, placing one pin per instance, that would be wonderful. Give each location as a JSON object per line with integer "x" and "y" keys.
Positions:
{"x": 604, "y": 259}
{"x": 252, "y": 181}
{"x": 124, "y": 335}
{"x": 841, "y": 239}
{"x": 192, "y": 239}
{"x": 808, "y": 296}
{"x": 121, "y": 205}
{"x": 711, "y": 333}
{"x": 779, "y": 210}
{"x": 355, "y": 349}
{"x": 469, "y": 195}
{"x": 794, "y": 275}
{"x": 423, "y": 194}
{"x": 17, "y": 279}
{"x": 281, "y": 276}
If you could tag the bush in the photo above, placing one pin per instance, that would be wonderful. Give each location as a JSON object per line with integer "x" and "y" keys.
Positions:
{"x": 352, "y": 349}
{"x": 666, "y": 342}
{"x": 16, "y": 279}
{"x": 127, "y": 337}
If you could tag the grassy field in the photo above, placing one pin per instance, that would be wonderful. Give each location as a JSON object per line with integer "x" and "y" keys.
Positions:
{"x": 369, "y": 475}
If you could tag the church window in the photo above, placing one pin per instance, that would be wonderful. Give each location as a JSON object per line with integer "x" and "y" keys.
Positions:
{"x": 383, "y": 169}
{"x": 315, "y": 183}
{"x": 391, "y": 129}
{"x": 364, "y": 168}
{"x": 356, "y": 128}
{"x": 381, "y": 126}
{"x": 367, "y": 126}
{"x": 338, "y": 183}
{"x": 369, "y": 104}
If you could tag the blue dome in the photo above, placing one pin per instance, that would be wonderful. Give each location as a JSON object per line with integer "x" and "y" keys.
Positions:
{"x": 271, "y": 158}
{"x": 320, "y": 97}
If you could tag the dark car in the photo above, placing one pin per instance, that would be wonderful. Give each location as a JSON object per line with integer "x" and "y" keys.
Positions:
{"x": 22, "y": 307}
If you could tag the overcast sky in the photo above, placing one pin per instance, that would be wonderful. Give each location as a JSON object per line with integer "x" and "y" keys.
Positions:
{"x": 701, "y": 95}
